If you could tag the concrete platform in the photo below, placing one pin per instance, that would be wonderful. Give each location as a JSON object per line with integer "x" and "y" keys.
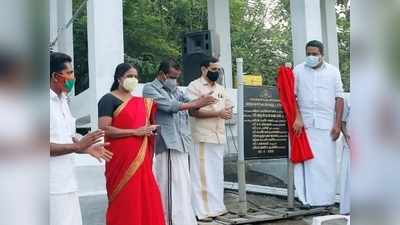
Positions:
{"x": 93, "y": 209}
{"x": 93, "y": 200}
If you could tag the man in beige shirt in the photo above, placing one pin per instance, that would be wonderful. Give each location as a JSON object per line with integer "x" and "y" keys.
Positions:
{"x": 208, "y": 136}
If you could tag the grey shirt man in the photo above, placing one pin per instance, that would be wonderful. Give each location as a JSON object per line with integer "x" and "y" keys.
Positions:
{"x": 174, "y": 130}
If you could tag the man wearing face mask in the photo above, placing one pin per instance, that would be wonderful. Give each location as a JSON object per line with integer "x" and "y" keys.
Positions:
{"x": 208, "y": 133}
{"x": 173, "y": 142}
{"x": 64, "y": 202}
{"x": 319, "y": 92}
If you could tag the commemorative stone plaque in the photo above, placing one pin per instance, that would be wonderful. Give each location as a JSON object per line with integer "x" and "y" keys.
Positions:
{"x": 265, "y": 128}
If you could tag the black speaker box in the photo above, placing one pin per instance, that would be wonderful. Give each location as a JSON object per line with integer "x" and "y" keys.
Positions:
{"x": 197, "y": 46}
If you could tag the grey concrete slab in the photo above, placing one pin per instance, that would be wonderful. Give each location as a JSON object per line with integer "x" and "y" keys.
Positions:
{"x": 90, "y": 179}
{"x": 93, "y": 209}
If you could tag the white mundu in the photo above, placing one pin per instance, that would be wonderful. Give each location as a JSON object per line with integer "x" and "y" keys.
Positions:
{"x": 64, "y": 201}
{"x": 207, "y": 156}
{"x": 345, "y": 165}
{"x": 207, "y": 171}
{"x": 316, "y": 90}
{"x": 171, "y": 169}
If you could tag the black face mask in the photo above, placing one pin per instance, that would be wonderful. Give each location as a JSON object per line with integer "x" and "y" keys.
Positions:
{"x": 213, "y": 76}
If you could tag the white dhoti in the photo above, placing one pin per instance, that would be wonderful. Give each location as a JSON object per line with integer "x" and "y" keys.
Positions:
{"x": 345, "y": 181}
{"x": 65, "y": 209}
{"x": 207, "y": 172}
{"x": 315, "y": 179}
{"x": 172, "y": 172}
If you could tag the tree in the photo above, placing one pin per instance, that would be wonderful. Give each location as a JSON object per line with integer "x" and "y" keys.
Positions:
{"x": 153, "y": 30}
{"x": 264, "y": 48}
{"x": 81, "y": 65}
{"x": 343, "y": 23}
{"x": 260, "y": 34}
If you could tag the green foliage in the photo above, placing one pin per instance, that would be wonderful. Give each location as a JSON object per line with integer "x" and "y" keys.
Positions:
{"x": 343, "y": 24}
{"x": 153, "y": 30}
{"x": 81, "y": 65}
{"x": 260, "y": 34}
{"x": 262, "y": 45}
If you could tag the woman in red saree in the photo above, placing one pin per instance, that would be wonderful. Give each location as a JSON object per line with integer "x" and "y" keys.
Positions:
{"x": 133, "y": 194}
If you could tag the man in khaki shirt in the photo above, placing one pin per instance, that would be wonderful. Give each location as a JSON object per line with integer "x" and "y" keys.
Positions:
{"x": 208, "y": 136}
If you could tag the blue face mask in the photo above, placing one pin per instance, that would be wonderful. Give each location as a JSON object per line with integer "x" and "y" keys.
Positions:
{"x": 312, "y": 61}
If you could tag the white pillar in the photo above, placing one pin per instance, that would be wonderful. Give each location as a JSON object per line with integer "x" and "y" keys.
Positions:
{"x": 219, "y": 24}
{"x": 306, "y": 25}
{"x": 106, "y": 49}
{"x": 314, "y": 20}
{"x": 329, "y": 31}
{"x": 60, "y": 13}
{"x": 65, "y": 38}
{"x": 53, "y": 14}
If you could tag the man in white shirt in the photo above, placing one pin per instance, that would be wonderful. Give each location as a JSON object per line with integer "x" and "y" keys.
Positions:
{"x": 64, "y": 202}
{"x": 208, "y": 135}
{"x": 319, "y": 92}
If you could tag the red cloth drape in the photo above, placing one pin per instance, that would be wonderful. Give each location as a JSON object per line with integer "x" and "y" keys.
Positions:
{"x": 300, "y": 147}
{"x": 139, "y": 201}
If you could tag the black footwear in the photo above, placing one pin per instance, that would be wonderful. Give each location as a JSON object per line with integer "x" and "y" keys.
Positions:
{"x": 206, "y": 220}
{"x": 305, "y": 206}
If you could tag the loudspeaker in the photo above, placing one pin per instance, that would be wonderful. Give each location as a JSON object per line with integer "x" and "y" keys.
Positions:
{"x": 197, "y": 46}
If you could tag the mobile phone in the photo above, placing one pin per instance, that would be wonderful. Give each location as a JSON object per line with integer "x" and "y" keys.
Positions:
{"x": 155, "y": 131}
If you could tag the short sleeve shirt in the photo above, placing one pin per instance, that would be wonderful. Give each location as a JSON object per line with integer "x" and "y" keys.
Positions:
{"x": 108, "y": 104}
{"x": 317, "y": 90}
{"x": 208, "y": 130}
{"x": 62, "y": 129}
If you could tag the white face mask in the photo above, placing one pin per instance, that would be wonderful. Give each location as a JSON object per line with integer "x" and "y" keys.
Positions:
{"x": 312, "y": 61}
{"x": 170, "y": 84}
{"x": 130, "y": 83}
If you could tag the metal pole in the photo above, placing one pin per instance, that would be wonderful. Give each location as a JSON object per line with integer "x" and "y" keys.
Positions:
{"x": 241, "y": 164}
{"x": 290, "y": 183}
